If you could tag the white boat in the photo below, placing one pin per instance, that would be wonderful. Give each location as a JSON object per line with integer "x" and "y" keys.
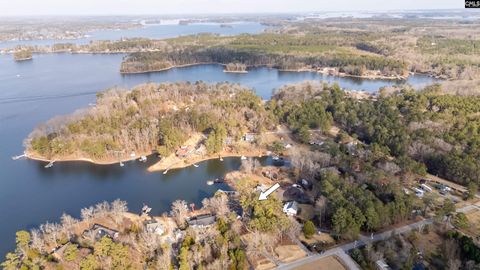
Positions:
{"x": 195, "y": 165}
{"x": 221, "y": 159}
{"x": 121, "y": 164}
{"x": 49, "y": 165}
{"x": 165, "y": 172}
{"x": 210, "y": 182}
{"x": 243, "y": 157}
{"x": 143, "y": 158}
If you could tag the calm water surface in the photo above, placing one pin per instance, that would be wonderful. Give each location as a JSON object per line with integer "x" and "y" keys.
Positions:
{"x": 34, "y": 91}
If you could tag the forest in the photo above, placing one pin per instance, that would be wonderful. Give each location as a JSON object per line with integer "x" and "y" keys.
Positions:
{"x": 286, "y": 53}
{"x": 22, "y": 54}
{"x": 427, "y": 128}
{"x": 151, "y": 117}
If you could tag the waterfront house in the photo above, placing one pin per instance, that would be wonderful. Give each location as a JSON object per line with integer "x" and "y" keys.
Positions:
{"x": 153, "y": 226}
{"x": 201, "y": 221}
{"x": 248, "y": 137}
{"x": 290, "y": 208}
{"x": 183, "y": 151}
{"x": 101, "y": 231}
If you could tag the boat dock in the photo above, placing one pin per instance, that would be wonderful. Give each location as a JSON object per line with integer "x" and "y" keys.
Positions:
{"x": 49, "y": 165}
{"x": 19, "y": 156}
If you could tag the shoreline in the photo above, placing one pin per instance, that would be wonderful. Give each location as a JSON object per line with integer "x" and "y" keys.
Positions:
{"x": 188, "y": 162}
{"x": 82, "y": 159}
{"x": 169, "y": 68}
{"x": 233, "y": 71}
{"x": 366, "y": 77}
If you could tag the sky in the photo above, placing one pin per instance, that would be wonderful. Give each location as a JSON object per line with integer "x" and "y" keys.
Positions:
{"x": 134, "y": 7}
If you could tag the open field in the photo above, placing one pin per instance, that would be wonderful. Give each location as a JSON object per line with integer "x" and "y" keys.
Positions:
{"x": 289, "y": 253}
{"x": 327, "y": 263}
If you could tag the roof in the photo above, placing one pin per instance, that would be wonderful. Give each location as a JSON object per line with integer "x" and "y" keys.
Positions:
{"x": 101, "y": 231}
{"x": 202, "y": 220}
{"x": 381, "y": 264}
{"x": 154, "y": 226}
{"x": 184, "y": 150}
{"x": 291, "y": 205}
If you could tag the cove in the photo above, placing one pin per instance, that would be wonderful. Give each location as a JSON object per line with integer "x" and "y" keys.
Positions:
{"x": 54, "y": 84}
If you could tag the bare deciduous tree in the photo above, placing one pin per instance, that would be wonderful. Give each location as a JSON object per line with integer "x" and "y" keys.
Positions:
{"x": 250, "y": 165}
{"x": 102, "y": 209}
{"x": 217, "y": 205}
{"x": 179, "y": 212}
{"x": 148, "y": 243}
{"x": 87, "y": 213}
{"x": 38, "y": 242}
{"x": 118, "y": 208}
{"x": 164, "y": 258}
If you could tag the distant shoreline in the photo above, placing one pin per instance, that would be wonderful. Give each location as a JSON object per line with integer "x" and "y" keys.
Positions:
{"x": 365, "y": 77}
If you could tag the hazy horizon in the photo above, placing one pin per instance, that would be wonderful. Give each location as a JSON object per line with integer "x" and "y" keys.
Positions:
{"x": 209, "y": 7}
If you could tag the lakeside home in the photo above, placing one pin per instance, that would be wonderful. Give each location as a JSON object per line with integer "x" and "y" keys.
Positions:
{"x": 201, "y": 221}
{"x": 290, "y": 208}
{"x": 101, "y": 231}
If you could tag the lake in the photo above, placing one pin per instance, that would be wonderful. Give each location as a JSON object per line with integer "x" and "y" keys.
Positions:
{"x": 32, "y": 92}
{"x": 154, "y": 31}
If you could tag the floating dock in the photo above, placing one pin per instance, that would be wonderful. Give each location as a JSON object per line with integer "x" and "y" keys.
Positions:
{"x": 49, "y": 165}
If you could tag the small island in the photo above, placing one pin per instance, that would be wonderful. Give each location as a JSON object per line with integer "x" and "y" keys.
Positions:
{"x": 22, "y": 55}
{"x": 235, "y": 68}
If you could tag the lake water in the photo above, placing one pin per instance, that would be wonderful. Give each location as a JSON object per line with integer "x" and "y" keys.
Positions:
{"x": 155, "y": 31}
{"x": 32, "y": 92}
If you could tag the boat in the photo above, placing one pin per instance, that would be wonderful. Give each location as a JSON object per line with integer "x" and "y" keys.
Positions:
{"x": 49, "y": 165}
{"x": 165, "y": 172}
{"x": 195, "y": 165}
{"x": 221, "y": 159}
{"x": 218, "y": 181}
{"x": 143, "y": 159}
{"x": 275, "y": 157}
{"x": 210, "y": 182}
{"x": 243, "y": 157}
{"x": 121, "y": 164}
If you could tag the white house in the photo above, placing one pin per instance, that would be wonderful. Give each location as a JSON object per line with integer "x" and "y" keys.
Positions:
{"x": 154, "y": 227}
{"x": 290, "y": 208}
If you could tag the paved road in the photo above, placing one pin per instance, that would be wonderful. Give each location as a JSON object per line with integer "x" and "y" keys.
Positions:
{"x": 341, "y": 250}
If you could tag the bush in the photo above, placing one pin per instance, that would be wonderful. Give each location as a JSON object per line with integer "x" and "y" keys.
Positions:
{"x": 309, "y": 229}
